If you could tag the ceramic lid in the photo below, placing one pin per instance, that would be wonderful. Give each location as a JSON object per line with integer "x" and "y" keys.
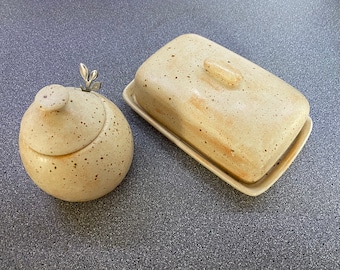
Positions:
{"x": 240, "y": 116}
{"x": 62, "y": 120}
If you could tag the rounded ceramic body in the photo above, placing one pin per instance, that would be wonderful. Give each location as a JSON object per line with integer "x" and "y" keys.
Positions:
{"x": 90, "y": 172}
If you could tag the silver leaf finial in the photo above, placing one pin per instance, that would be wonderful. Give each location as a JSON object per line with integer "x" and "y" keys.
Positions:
{"x": 89, "y": 78}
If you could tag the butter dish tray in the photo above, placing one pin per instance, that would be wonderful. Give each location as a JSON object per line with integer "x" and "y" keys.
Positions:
{"x": 237, "y": 119}
{"x": 249, "y": 189}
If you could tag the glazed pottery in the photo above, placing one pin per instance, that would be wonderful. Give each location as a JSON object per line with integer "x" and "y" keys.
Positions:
{"x": 227, "y": 112}
{"x": 74, "y": 143}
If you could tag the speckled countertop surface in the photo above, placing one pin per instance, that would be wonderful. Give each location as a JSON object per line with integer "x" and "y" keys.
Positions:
{"x": 170, "y": 212}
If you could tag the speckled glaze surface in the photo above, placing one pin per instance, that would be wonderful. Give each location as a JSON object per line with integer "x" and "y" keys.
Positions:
{"x": 76, "y": 146}
{"x": 237, "y": 114}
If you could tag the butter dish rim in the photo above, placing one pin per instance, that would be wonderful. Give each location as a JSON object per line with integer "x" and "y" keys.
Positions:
{"x": 254, "y": 189}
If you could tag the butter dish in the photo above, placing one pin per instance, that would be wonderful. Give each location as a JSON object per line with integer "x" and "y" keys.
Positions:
{"x": 238, "y": 120}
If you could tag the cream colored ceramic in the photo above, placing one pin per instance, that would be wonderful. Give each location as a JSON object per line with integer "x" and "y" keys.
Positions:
{"x": 236, "y": 115}
{"x": 254, "y": 189}
{"x": 75, "y": 145}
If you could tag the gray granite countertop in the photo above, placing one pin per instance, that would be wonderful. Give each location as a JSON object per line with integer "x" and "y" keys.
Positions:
{"x": 170, "y": 212}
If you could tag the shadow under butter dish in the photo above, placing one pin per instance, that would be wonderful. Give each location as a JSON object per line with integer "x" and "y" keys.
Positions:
{"x": 238, "y": 116}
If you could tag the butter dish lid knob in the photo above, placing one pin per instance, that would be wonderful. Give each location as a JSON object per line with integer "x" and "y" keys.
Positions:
{"x": 222, "y": 71}
{"x": 52, "y": 97}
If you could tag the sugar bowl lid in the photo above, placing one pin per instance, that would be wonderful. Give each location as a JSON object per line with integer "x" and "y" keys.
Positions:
{"x": 62, "y": 120}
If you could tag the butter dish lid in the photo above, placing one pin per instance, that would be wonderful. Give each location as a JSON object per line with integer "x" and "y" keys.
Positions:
{"x": 62, "y": 120}
{"x": 249, "y": 115}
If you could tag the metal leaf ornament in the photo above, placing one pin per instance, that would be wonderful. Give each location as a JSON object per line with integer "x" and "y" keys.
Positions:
{"x": 90, "y": 85}
{"x": 93, "y": 75}
{"x": 84, "y": 72}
